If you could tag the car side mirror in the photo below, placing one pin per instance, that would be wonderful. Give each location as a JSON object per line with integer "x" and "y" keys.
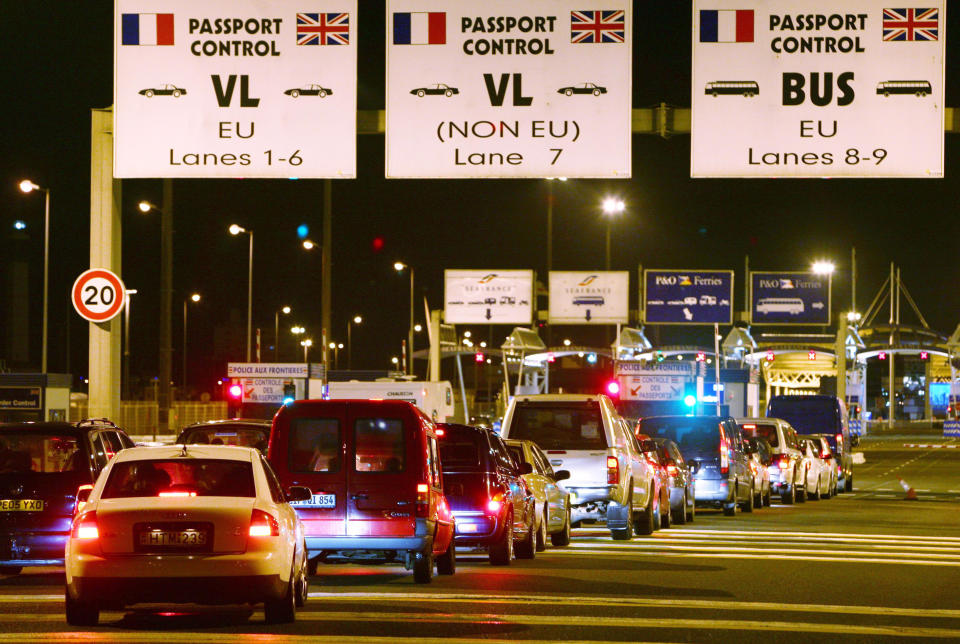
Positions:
{"x": 561, "y": 475}
{"x": 299, "y": 493}
{"x": 525, "y": 468}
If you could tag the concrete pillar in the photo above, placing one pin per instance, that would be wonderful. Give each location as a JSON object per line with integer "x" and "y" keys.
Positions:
{"x": 434, "y": 372}
{"x": 104, "y": 346}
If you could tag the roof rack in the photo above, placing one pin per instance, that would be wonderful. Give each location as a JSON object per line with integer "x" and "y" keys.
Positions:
{"x": 92, "y": 422}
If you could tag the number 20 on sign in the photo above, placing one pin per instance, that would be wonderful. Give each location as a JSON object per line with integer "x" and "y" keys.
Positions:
{"x": 98, "y": 295}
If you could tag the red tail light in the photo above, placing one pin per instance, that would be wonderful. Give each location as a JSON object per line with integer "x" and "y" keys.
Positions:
{"x": 263, "y": 524}
{"x": 839, "y": 442}
{"x": 613, "y": 470}
{"x": 423, "y": 499}
{"x": 784, "y": 462}
{"x": 178, "y": 493}
{"x": 494, "y": 506}
{"x": 672, "y": 470}
{"x": 440, "y": 432}
{"x": 85, "y": 526}
{"x": 824, "y": 454}
{"x": 78, "y": 507}
{"x": 724, "y": 452}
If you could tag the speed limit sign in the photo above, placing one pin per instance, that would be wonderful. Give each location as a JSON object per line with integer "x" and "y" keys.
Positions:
{"x": 98, "y": 295}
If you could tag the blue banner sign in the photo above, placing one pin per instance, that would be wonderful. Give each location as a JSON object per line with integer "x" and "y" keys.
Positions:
{"x": 789, "y": 298}
{"x": 688, "y": 297}
{"x": 951, "y": 428}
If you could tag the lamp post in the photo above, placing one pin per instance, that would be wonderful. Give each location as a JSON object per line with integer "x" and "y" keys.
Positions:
{"x": 276, "y": 332}
{"x": 336, "y": 346}
{"x": 400, "y": 267}
{"x": 612, "y": 207}
{"x": 356, "y": 320}
{"x": 306, "y": 344}
{"x": 236, "y": 230}
{"x": 193, "y": 298}
{"x": 126, "y": 343}
{"x": 27, "y": 186}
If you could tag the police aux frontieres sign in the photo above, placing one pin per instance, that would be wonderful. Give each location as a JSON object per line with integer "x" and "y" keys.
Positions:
{"x": 238, "y": 88}
{"x": 531, "y": 88}
{"x": 817, "y": 88}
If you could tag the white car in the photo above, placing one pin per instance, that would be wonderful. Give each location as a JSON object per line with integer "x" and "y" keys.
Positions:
{"x": 819, "y": 476}
{"x": 186, "y": 524}
{"x": 610, "y": 478}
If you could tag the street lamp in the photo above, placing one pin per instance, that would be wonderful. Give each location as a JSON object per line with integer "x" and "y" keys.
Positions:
{"x": 823, "y": 267}
{"x": 612, "y": 207}
{"x": 193, "y": 298}
{"x": 27, "y": 186}
{"x": 236, "y": 230}
{"x": 306, "y": 344}
{"x": 125, "y": 387}
{"x": 276, "y": 332}
{"x": 356, "y": 320}
{"x": 400, "y": 267}
{"x": 309, "y": 244}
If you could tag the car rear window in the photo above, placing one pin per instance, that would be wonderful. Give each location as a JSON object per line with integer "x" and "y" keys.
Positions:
{"x": 460, "y": 450}
{"x": 691, "y": 434}
{"x": 241, "y": 435}
{"x": 568, "y": 426}
{"x": 315, "y": 445}
{"x": 40, "y": 453}
{"x": 762, "y": 430}
{"x": 379, "y": 445}
{"x": 180, "y": 477}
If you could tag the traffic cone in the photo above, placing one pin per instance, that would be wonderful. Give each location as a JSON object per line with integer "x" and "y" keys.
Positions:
{"x": 911, "y": 493}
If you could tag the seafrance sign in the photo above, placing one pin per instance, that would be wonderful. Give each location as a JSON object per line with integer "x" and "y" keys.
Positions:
{"x": 532, "y": 88}
{"x": 817, "y": 88}
{"x": 235, "y": 88}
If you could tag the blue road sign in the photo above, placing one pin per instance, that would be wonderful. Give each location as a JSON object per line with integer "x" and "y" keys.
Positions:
{"x": 789, "y": 298}
{"x": 688, "y": 297}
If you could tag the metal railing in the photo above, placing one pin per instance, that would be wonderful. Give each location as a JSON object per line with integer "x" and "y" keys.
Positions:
{"x": 140, "y": 417}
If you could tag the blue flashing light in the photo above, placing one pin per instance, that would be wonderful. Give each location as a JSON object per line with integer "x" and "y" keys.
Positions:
{"x": 302, "y": 231}
{"x": 19, "y": 225}
{"x": 690, "y": 400}
{"x": 592, "y": 358}
{"x": 288, "y": 400}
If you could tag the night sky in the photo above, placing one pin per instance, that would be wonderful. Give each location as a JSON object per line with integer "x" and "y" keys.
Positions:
{"x": 58, "y": 65}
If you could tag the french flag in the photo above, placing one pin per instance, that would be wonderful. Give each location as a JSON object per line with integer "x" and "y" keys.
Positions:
{"x": 146, "y": 29}
{"x": 420, "y": 28}
{"x": 726, "y": 25}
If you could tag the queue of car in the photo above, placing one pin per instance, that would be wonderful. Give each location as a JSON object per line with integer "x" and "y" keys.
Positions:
{"x": 247, "y": 510}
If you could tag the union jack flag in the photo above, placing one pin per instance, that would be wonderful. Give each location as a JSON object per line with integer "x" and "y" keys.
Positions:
{"x": 323, "y": 28}
{"x": 911, "y": 24}
{"x": 597, "y": 26}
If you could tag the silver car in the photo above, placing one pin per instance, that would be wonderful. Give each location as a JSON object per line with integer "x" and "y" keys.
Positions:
{"x": 552, "y": 499}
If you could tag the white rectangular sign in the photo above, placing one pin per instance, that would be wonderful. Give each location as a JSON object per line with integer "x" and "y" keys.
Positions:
{"x": 817, "y": 88}
{"x": 269, "y": 390}
{"x": 589, "y": 297}
{"x": 266, "y": 370}
{"x": 661, "y": 387}
{"x": 235, "y": 88}
{"x": 487, "y": 297}
{"x": 508, "y": 88}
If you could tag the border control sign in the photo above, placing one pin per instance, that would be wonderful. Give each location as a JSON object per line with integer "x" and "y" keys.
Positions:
{"x": 235, "y": 88}
{"x": 817, "y": 88}
{"x": 518, "y": 88}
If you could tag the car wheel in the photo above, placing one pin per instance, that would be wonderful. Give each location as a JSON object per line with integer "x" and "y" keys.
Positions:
{"x": 176, "y": 93}
{"x": 747, "y": 506}
{"x": 829, "y": 491}
{"x": 568, "y": 92}
{"x": 625, "y": 533}
{"x": 680, "y": 516}
{"x": 527, "y": 549}
{"x": 421, "y": 93}
{"x": 802, "y": 494}
{"x": 148, "y": 93}
{"x": 693, "y": 511}
{"x": 666, "y": 515}
{"x": 447, "y": 562}
{"x": 322, "y": 94}
{"x": 758, "y": 498}
{"x": 502, "y": 551}
{"x": 596, "y": 92}
{"x": 730, "y": 507}
{"x": 282, "y": 610}
{"x": 644, "y": 523}
{"x": 294, "y": 93}
{"x": 766, "y": 498}
{"x": 81, "y": 613}
{"x": 10, "y": 570}
{"x": 816, "y": 495}
{"x": 542, "y": 532}
{"x": 423, "y": 565}
{"x": 448, "y": 93}
{"x": 789, "y": 496}
{"x": 848, "y": 483}
{"x": 562, "y": 538}
{"x": 303, "y": 583}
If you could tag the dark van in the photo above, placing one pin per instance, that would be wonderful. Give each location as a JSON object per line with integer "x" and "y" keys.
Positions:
{"x": 713, "y": 447}
{"x": 819, "y": 415}
{"x": 374, "y": 469}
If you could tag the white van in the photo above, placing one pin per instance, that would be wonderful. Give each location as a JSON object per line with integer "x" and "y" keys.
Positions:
{"x": 435, "y": 399}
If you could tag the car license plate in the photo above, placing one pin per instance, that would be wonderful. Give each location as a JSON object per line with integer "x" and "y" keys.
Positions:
{"x": 173, "y": 538}
{"x": 21, "y": 505}
{"x": 318, "y": 501}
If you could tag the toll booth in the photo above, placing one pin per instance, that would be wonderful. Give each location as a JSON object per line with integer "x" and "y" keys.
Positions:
{"x": 34, "y": 397}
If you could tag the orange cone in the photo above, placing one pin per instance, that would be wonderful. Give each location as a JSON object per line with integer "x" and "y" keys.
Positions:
{"x": 911, "y": 493}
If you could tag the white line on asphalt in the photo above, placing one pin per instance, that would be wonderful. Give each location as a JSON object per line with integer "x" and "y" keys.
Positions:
{"x": 896, "y": 548}
{"x": 770, "y": 533}
{"x": 782, "y": 550}
{"x": 779, "y": 557}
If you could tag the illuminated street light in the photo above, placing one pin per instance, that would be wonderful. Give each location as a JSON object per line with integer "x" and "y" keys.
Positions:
{"x": 356, "y": 320}
{"x": 236, "y": 230}
{"x": 612, "y": 207}
{"x": 418, "y": 328}
{"x": 822, "y": 267}
{"x": 146, "y": 206}
{"x": 27, "y": 186}
{"x": 276, "y": 331}
{"x": 19, "y": 225}
{"x": 566, "y": 343}
{"x": 306, "y": 344}
{"x": 400, "y": 267}
{"x": 309, "y": 244}
{"x": 193, "y": 298}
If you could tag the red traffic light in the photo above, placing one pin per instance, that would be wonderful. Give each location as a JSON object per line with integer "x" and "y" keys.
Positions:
{"x": 478, "y": 357}
{"x": 613, "y": 388}
{"x": 236, "y": 391}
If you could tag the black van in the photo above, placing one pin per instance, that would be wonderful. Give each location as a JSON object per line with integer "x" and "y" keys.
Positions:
{"x": 819, "y": 415}
{"x": 714, "y": 448}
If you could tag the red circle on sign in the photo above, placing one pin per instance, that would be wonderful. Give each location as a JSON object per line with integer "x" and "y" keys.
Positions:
{"x": 113, "y": 308}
